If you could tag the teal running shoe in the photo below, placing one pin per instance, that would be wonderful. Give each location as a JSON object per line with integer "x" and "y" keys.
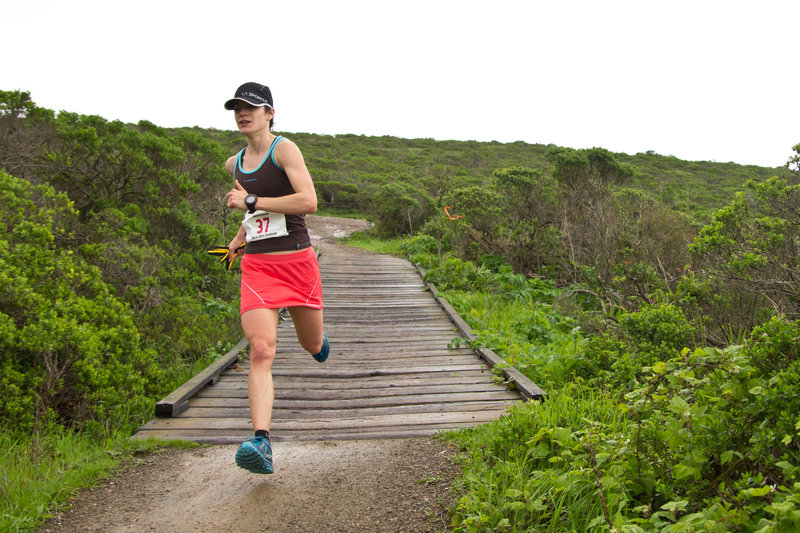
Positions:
{"x": 255, "y": 456}
{"x": 326, "y": 349}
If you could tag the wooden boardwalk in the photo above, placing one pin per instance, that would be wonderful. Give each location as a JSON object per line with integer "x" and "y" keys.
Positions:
{"x": 390, "y": 373}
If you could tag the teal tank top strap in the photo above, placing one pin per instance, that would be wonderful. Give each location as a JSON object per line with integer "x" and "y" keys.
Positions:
{"x": 271, "y": 155}
{"x": 238, "y": 164}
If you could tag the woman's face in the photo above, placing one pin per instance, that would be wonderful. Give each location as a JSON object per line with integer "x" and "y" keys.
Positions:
{"x": 250, "y": 118}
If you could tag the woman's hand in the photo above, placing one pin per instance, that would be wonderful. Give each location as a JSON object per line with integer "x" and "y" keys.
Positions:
{"x": 236, "y": 246}
{"x": 236, "y": 197}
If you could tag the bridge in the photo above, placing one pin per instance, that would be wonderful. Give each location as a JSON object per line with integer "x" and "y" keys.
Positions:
{"x": 392, "y": 371}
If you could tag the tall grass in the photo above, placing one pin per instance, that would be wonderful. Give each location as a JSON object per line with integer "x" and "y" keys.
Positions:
{"x": 373, "y": 244}
{"x": 45, "y": 468}
{"x": 529, "y": 334}
{"x": 532, "y": 469}
{"x": 41, "y": 472}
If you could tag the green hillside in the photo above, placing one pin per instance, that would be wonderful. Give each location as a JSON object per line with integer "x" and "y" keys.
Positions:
{"x": 697, "y": 187}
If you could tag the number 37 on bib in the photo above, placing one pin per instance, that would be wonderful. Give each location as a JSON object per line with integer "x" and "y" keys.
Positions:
{"x": 260, "y": 225}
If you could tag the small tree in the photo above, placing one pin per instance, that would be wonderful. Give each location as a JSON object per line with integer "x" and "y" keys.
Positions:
{"x": 590, "y": 221}
{"x": 477, "y": 212}
{"x": 24, "y": 130}
{"x": 399, "y": 209}
{"x": 528, "y": 222}
{"x": 752, "y": 247}
{"x": 337, "y": 194}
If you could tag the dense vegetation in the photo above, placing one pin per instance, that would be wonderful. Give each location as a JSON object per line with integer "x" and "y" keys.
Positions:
{"x": 643, "y": 428}
{"x": 107, "y": 300}
{"x": 106, "y": 294}
{"x": 670, "y": 354}
{"x": 655, "y": 299}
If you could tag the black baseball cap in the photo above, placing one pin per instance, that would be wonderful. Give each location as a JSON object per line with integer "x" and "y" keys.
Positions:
{"x": 252, "y": 93}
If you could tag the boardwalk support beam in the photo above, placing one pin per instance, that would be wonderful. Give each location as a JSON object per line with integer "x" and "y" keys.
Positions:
{"x": 178, "y": 401}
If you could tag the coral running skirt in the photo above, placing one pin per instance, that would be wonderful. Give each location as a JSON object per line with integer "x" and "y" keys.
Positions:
{"x": 273, "y": 281}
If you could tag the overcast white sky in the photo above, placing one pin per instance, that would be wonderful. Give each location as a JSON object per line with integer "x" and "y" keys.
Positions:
{"x": 700, "y": 80}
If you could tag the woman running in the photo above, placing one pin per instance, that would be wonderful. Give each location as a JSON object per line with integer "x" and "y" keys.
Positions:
{"x": 279, "y": 267}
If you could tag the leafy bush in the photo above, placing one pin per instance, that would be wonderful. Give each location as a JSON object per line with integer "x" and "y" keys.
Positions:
{"x": 71, "y": 348}
{"x": 704, "y": 441}
{"x": 658, "y": 331}
{"x": 640, "y": 431}
{"x": 337, "y": 194}
{"x": 109, "y": 223}
{"x": 535, "y": 469}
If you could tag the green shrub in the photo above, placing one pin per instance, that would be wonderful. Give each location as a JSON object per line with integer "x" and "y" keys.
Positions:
{"x": 617, "y": 357}
{"x": 657, "y": 332}
{"x": 106, "y": 283}
{"x": 71, "y": 348}
{"x": 533, "y": 469}
{"x": 704, "y": 442}
{"x": 773, "y": 405}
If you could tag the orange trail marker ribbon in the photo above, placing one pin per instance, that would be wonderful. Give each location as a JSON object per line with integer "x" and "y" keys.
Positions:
{"x": 449, "y": 215}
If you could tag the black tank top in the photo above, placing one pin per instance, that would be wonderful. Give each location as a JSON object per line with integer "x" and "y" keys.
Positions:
{"x": 271, "y": 180}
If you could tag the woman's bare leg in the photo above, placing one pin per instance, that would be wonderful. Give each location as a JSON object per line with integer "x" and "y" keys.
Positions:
{"x": 308, "y": 326}
{"x": 261, "y": 329}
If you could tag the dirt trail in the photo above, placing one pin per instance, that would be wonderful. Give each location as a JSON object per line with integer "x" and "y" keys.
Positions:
{"x": 399, "y": 485}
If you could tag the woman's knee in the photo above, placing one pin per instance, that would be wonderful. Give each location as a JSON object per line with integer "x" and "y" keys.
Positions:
{"x": 262, "y": 350}
{"x": 312, "y": 347}
{"x": 308, "y": 327}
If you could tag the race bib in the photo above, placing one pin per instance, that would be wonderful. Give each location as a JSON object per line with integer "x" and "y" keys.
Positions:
{"x": 260, "y": 225}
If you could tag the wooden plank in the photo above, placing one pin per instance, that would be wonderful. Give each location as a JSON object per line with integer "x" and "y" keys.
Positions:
{"x": 304, "y": 401}
{"x": 396, "y": 338}
{"x": 523, "y": 384}
{"x": 474, "y": 376}
{"x": 371, "y": 354}
{"x": 344, "y": 289}
{"x": 328, "y": 391}
{"x": 357, "y": 362}
{"x": 216, "y": 436}
{"x": 243, "y": 424}
{"x": 369, "y": 316}
{"x": 425, "y": 329}
{"x": 372, "y": 372}
{"x": 379, "y": 354}
{"x": 376, "y": 346}
{"x": 281, "y": 412}
{"x": 357, "y": 367}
